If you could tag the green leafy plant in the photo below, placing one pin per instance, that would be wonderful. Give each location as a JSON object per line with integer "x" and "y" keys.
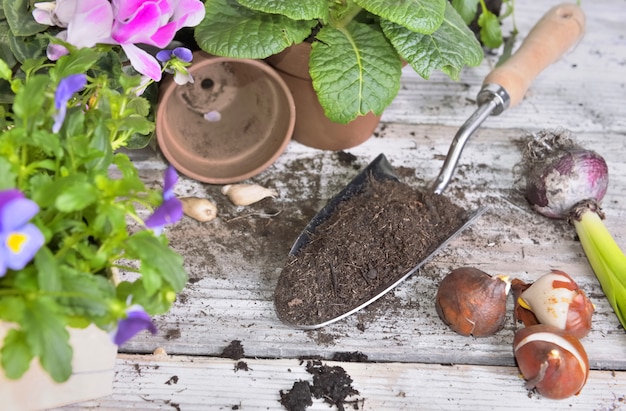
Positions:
{"x": 357, "y": 46}
{"x": 73, "y": 211}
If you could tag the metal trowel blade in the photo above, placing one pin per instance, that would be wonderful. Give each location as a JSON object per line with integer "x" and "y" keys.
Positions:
{"x": 381, "y": 170}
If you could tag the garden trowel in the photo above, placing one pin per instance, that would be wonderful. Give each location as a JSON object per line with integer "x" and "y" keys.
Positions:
{"x": 504, "y": 87}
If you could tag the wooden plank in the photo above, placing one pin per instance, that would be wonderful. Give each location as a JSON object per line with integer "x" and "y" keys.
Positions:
{"x": 196, "y": 383}
{"x": 235, "y": 261}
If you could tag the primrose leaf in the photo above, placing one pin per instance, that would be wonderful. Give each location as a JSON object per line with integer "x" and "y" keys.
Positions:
{"x": 354, "y": 71}
{"x": 297, "y": 10}
{"x": 466, "y": 8}
{"x": 421, "y": 16}
{"x": 448, "y": 49}
{"x": 490, "y": 32}
{"x": 229, "y": 29}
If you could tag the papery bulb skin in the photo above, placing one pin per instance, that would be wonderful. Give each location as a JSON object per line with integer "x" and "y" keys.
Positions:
{"x": 553, "y": 361}
{"x": 566, "y": 178}
{"x": 246, "y": 194}
{"x": 555, "y": 299}
{"x": 471, "y": 302}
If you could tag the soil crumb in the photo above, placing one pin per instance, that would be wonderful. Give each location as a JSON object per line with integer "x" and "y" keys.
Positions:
{"x": 330, "y": 383}
{"x": 368, "y": 243}
{"x": 242, "y": 366}
{"x": 355, "y": 356}
{"x": 234, "y": 350}
{"x": 298, "y": 398}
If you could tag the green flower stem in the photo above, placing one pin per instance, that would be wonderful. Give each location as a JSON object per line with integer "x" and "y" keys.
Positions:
{"x": 604, "y": 255}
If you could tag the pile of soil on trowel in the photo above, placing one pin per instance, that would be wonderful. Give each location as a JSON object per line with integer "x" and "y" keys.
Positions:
{"x": 369, "y": 242}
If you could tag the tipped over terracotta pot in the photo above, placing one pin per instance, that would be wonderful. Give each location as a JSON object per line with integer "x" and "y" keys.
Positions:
{"x": 230, "y": 124}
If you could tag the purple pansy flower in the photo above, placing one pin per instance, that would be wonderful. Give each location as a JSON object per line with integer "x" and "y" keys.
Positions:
{"x": 181, "y": 53}
{"x": 171, "y": 210}
{"x": 65, "y": 90}
{"x": 136, "y": 320}
{"x": 19, "y": 240}
{"x": 178, "y": 66}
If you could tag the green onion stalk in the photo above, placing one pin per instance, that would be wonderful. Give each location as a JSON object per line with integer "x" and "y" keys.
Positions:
{"x": 605, "y": 256}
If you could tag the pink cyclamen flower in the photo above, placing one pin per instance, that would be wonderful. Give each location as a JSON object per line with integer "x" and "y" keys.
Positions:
{"x": 171, "y": 210}
{"x": 19, "y": 240}
{"x": 87, "y": 23}
{"x": 153, "y": 23}
{"x": 137, "y": 319}
{"x": 122, "y": 22}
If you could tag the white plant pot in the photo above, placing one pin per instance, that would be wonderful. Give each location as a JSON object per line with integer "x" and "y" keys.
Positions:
{"x": 92, "y": 374}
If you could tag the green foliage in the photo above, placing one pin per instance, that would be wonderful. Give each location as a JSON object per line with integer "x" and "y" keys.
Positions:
{"x": 91, "y": 201}
{"x": 437, "y": 49}
{"x": 357, "y": 45}
{"x": 18, "y": 30}
{"x": 228, "y": 29}
{"x": 364, "y": 77}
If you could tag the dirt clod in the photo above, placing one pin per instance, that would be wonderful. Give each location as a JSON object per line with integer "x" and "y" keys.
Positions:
{"x": 234, "y": 350}
{"x": 330, "y": 383}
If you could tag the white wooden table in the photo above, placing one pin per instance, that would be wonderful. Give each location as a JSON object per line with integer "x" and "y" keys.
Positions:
{"x": 415, "y": 361}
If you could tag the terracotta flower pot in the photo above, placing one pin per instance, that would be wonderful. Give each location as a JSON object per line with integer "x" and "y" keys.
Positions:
{"x": 312, "y": 127}
{"x": 232, "y": 123}
{"x": 92, "y": 374}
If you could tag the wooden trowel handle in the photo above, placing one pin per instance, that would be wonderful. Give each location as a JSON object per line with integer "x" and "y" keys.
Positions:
{"x": 552, "y": 36}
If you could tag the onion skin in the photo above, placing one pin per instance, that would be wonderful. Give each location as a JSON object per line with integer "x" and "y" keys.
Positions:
{"x": 200, "y": 209}
{"x": 566, "y": 178}
{"x": 559, "y": 173}
{"x": 246, "y": 194}
{"x": 471, "y": 302}
{"x": 554, "y": 299}
{"x": 553, "y": 361}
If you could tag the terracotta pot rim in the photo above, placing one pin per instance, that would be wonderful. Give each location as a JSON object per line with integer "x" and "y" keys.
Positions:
{"x": 183, "y": 159}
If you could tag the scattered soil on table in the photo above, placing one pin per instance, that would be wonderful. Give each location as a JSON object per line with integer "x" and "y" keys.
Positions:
{"x": 369, "y": 242}
{"x": 330, "y": 383}
{"x": 241, "y": 366}
{"x": 234, "y": 350}
{"x": 356, "y": 356}
{"x": 298, "y": 398}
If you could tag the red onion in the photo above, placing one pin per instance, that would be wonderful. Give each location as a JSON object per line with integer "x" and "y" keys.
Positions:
{"x": 564, "y": 180}
{"x": 559, "y": 174}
